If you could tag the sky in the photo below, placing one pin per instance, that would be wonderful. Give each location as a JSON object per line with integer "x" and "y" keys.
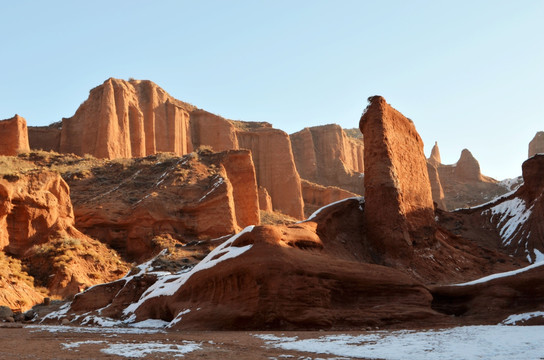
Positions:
{"x": 470, "y": 74}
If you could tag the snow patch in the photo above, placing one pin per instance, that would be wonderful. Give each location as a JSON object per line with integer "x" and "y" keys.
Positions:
{"x": 150, "y": 323}
{"x": 512, "y": 215}
{"x": 361, "y": 200}
{"x": 140, "y": 350}
{"x": 514, "y": 319}
{"x": 92, "y": 329}
{"x": 501, "y": 275}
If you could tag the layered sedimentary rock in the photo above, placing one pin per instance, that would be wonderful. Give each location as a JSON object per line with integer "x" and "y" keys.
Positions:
{"x": 327, "y": 156}
{"x": 13, "y": 136}
{"x": 201, "y": 195}
{"x": 127, "y": 119}
{"x": 461, "y": 184}
{"x": 399, "y": 206}
{"x": 45, "y": 137}
{"x": 265, "y": 201}
{"x": 536, "y": 146}
{"x": 275, "y": 168}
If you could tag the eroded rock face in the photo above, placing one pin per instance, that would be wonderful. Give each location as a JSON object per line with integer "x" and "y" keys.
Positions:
{"x": 213, "y": 131}
{"x": 462, "y": 184}
{"x": 275, "y": 168}
{"x": 37, "y": 227}
{"x": 123, "y": 119}
{"x": 33, "y": 207}
{"x": 316, "y": 196}
{"x": 399, "y": 206}
{"x": 536, "y": 146}
{"x": 202, "y": 195}
{"x": 45, "y": 137}
{"x": 13, "y": 136}
{"x": 327, "y": 156}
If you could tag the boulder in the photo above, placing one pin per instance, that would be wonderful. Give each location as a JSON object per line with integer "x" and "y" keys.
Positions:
{"x": 325, "y": 155}
{"x": 275, "y": 168}
{"x": 536, "y": 146}
{"x": 13, "y": 136}
{"x": 123, "y": 119}
{"x": 399, "y": 210}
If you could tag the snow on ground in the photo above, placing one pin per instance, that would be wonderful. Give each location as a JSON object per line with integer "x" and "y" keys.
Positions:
{"x": 514, "y": 319}
{"x": 93, "y": 329}
{"x": 501, "y": 275}
{"x": 512, "y": 215}
{"x": 512, "y": 183}
{"x": 361, "y": 200}
{"x": 138, "y": 350}
{"x": 470, "y": 342}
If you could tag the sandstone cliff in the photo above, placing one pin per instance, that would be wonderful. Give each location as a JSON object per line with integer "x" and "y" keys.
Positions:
{"x": 127, "y": 119}
{"x": 316, "y": 196}
{"x": 13, "y": 136}
{"x": 461, "y": 184}
{"x": 275, "y": 168}
{"x": 536, "y": 146}
{"x": 399, "y": 209}
{"x": 325, "y": 155}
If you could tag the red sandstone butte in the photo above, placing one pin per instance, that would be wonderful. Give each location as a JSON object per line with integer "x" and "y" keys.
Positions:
{"x": 399, "y": 206}
{"x": 13, "y": 136}
{"x": 536, "y": 146}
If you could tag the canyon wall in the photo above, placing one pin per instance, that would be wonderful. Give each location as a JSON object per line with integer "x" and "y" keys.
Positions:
{"x": 13, "y": 136}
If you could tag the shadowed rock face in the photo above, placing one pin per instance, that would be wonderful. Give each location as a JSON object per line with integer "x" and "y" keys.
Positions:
{"x": 127, "y": 119}
{"x": 13, "y": 136}
{"x": 325, "y": 155}
{"x": 399, "y": 206}
{"x": 536, "y": 146}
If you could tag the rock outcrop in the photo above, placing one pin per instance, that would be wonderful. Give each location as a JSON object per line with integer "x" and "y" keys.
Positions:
{"x": 461, "y": 184}
{"x": 37, "y": 227}
{"x": 536, "y": 146}
{"x": 198, "y": 196}
{"x": 123, "y": 119}
{"x": 512, "y": 223}
{"x": 399, "y": 210}
{"x": 33, "y": 208}
{"x": 13, "y": 136}
{"x": 325, "y": 155}
{"x": 214, "y": 131}
{"x": 45, "y": 138}
{"x": 316, "y": 196}
{"x": 275, "y": 169}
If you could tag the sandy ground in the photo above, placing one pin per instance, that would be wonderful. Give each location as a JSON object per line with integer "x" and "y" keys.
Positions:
{"x": 63, "y": 343}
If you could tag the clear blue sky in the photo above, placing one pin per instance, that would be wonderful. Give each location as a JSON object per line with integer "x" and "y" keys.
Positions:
{"x": 470, "y": 74}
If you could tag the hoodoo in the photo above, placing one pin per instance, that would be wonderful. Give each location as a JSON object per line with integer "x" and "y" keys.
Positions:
{"x": 398, "y": 203}
{"x": 536, "y": 146}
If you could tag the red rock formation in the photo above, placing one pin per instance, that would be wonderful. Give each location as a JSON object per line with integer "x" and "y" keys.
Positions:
{"x": 213, "y": 131}
{"x": 536, "y": 146}
{"x": 399, "y": 206}
{"x": 512, "y": 223}
{"x": 435, "y": 155}
{"x": 327, "y": 156}
{"x": 33, "y": 208}
{"x": 13, "y": 136}
{"x": 197, "y": 196}
{"x": 36, "y": 221}
{"x": 462, "y": 184}
{"x": 127, "y": 119}
{"x": 275, "y": 168}
{"x": 265, "y": 201}
{"x": 45, "y": 137}
{"x": 316, "y": 196}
